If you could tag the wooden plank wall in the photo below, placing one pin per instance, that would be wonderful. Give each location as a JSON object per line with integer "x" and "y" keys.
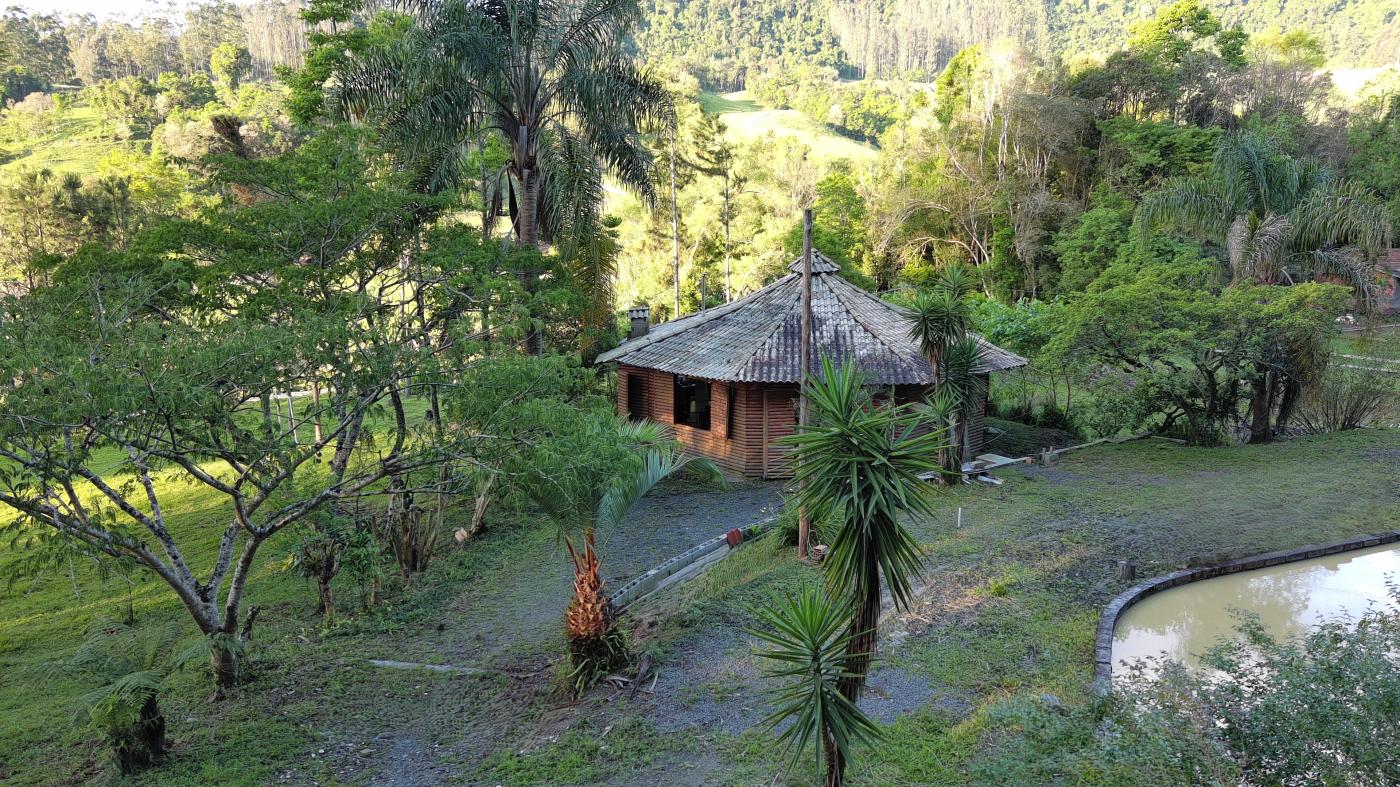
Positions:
{"x": 762, "y": 414}
{"x": 736, "y": 454}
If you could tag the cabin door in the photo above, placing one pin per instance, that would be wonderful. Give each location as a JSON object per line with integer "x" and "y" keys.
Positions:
{"x": 779, "y": 420}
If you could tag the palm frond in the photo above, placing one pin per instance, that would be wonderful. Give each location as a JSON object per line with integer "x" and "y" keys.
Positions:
{"x": 658, "y": 464}
{"x": 1196, "y": 206}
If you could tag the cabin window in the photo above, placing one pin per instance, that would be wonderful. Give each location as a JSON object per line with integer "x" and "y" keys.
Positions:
{"x": 692, "y": 399}
{"x": 636, "y": 397}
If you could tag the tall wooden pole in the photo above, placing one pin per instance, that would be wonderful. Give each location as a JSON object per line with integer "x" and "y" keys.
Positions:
{"x": 804, "y": 522}
{"x": 675, "y": 229}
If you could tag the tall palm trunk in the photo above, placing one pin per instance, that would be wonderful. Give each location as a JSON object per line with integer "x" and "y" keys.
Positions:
{"x": 528, "y": 225}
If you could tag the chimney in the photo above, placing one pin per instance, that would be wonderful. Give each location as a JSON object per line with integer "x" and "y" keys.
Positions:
{"x": 641, "y": 321}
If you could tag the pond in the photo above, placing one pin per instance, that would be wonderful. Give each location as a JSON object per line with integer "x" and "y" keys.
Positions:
{"x": 1290, "y": 599}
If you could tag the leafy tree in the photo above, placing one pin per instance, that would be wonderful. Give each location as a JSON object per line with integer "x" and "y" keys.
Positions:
{"x": 548, "y": 79}
{"x": 863, "y": 461}
{"x": 1279, "y": 219}
{"x": 230, "y": 64}
{"x": 166, "y": 359}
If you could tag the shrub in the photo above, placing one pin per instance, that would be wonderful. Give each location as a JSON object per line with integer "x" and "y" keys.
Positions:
{"x": 1347, "y": 397}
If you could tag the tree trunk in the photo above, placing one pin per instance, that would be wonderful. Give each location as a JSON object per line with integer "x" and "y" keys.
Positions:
{"x": 1292, "y": 392}
{"x": 859, "y": 653}
{"x": 323, "y": 588}
{"x": 835, "y": 763}
{"x": 529, "y": 226}
{"x": 1260, "y": 405}
{"x": 223, "y": 662}
{"x": 143, "y": 745}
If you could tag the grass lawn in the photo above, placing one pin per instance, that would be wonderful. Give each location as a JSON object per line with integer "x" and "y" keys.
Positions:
{"x": 1007, "y": 610}
{"x": 748, "y": 121}
{"x": 75, "y": 145}
{"x": 1011, "y": 602}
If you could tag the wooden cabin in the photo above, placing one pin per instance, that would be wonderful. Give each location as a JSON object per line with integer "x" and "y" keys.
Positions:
{"x": 727, "y": 379}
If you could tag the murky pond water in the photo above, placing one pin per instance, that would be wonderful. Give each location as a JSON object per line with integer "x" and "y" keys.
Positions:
{"x": 1185, "y": 621}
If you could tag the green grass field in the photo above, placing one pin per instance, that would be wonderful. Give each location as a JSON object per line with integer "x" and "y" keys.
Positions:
{"x": 1008, "y": 610}
{"x": 76, "y": 144}
{"x": 749, "y": 121}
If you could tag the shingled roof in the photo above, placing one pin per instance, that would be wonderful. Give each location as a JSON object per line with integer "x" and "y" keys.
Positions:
{"x": 758, "y": 338}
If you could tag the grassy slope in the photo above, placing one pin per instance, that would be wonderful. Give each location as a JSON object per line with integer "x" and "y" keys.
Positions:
{"x": 1014, "y": 601}
{"x": 1011, "y": 607}
{"x": 75, "y": 145}
{"x": 748, "y": 120}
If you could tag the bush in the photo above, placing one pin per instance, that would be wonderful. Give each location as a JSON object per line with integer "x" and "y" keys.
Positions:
{"x": 1348, "y": 397}
{"x": 784, "y": 531}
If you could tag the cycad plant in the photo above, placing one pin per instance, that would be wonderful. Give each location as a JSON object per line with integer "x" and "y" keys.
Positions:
{"x": 586, "y": 478}
{"x": 808, "y": 640}
{"x": 863, "y": 460}
{"x": 131, "y": 666}
{"x": 1278, "y": 218}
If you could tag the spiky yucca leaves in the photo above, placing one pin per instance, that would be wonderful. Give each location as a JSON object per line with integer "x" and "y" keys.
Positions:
{"x": 942, "y": 409}
{"x": 965, "y": 385}
{"x": 596, "y": 645}
{"x": 1279, "y": 219}
{"x": 808, "y": 651}
{"x": 863, "y": 460}
{"x": 939, "y": 317}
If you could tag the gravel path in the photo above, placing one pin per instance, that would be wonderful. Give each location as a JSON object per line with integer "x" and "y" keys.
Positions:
{"x": 515, "y": 609}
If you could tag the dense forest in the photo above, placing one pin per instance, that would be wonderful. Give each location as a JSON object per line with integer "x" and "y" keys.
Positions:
{"x": 914, "y": 39}
{"x": 302, "y": 308}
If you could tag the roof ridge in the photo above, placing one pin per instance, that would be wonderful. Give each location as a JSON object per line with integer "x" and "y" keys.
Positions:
{"x": 850, "y": 308}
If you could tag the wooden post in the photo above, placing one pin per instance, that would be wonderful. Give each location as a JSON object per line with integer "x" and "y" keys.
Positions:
{"x": 704, "y": 290}
{"x": 804, "y": 522}
{"x": 675, "y": 229}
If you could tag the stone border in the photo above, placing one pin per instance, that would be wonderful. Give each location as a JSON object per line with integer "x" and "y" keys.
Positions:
{"x": 1108, "y": 619}
{"x": 704, "y": 552}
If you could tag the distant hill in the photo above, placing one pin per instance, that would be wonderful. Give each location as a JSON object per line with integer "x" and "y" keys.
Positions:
{"x": 721, "y": 39}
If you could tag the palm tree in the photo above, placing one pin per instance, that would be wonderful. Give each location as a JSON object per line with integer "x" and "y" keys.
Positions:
{"x": 1278, "y": 218}
{"x": 548, "y": 78}
{"x": 940, "y": 321}
{"x": 862, "y": 462}
{"x": 808, "y": 649}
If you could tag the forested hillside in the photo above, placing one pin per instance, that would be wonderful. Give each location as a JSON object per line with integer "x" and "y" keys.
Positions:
{"x": 721, "y": 39}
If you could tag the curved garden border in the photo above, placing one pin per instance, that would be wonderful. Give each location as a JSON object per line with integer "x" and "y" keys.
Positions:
{"x": 1108, "y": 619}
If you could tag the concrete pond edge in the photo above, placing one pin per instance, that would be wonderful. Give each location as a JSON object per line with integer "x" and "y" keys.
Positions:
{"x": 1108, "y": 619}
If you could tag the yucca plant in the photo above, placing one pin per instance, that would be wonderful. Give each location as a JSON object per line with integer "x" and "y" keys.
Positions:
{"x": 962, "y": 383}
{"x": 131, "y": 667}
{"x": 940, "y": 316}
{"x": 863, "y": 460}
{"x": 808, "y": 645}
